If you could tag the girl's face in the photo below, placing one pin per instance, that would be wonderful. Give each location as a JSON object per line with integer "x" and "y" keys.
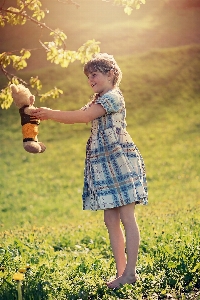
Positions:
{"x": 99, "y": 82}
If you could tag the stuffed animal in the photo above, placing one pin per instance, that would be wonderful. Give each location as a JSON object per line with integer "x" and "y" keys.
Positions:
{"x": 24, "y": 100}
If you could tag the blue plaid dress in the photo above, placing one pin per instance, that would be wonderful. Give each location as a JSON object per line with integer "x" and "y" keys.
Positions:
{"x": 114, "y": 173}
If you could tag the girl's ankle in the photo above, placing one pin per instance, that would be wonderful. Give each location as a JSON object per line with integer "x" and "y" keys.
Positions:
{"x": 129, "y": 274}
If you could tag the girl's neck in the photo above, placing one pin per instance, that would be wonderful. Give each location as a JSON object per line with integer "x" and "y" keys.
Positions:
{"x": 110, "y": 89}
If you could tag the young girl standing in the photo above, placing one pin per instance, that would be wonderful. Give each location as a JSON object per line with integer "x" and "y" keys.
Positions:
{"x": 114, "y": 175}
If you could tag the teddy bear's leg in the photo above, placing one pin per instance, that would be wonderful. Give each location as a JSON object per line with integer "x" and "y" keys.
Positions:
{"x": 43, "y": 147}
{"x": 32, "y": 147}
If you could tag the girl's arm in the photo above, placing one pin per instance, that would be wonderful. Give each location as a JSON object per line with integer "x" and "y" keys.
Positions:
{"x": 70, "y": 117}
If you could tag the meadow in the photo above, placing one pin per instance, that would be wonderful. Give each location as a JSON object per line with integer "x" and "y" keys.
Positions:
{"x": 63, "y": 252}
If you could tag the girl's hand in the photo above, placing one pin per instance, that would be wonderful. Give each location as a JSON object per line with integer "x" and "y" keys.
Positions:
{"x": 42, "y": 113}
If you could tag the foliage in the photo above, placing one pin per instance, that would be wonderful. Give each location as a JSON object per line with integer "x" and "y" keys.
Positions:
{"x": 41, "y": 193}
{"x": 67, "y": 263}
{"x": 129, "y": 4}
{"x": 57, "y": 52}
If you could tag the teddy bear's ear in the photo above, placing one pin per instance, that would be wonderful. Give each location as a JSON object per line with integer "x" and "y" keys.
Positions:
{"x": 32, "y": 99}
{"x": 13, "y": 88}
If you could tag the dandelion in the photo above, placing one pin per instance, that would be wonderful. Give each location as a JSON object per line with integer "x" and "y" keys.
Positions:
{"x": 19, "y": 277}
{"x": 22, "y": 270}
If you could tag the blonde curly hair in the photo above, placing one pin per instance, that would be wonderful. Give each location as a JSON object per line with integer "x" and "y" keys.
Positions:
{"x": 104, "y": 63}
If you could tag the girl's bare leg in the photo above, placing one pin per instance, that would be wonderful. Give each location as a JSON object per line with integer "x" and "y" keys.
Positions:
{"x": 112, "y": 221}
{"x": 132, "y": 245}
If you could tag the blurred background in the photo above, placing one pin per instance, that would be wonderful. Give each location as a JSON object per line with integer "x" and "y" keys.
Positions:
{"x": 41, "y": 220}
{"x": 158, "y": 50}
{"x": 157, "y": 24}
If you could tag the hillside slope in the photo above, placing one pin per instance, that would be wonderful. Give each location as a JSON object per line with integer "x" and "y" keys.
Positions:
{"x": 154, "y": 25}
{"x": 161, "y": 90}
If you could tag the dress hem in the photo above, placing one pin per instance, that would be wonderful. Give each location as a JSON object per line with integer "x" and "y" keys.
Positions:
{"x": 116, "y": 206}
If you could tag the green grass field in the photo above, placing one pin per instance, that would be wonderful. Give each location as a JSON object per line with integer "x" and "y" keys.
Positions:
{"x": 42, "y": 222}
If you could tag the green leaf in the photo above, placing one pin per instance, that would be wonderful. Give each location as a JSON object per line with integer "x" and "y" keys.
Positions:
{"x": 137, "y": 6}
{"x": 2, "y": 21}
{"x": 197, "y": 267}
{"x": 15, "y": 80}
{"x": 5, "y": 59}
{"x": 86, "y": 51}
{"x": 54, "y": 93}
{"x": 6, "y": 98}
{"x": 34, "y": 5}
{"x": 35, "y": 83}
{"x": 64, "y": 63}
{"x": 18, "y": 62}
{"x": 172, "y": 264}
{"x": 128, "y": 10}
{"x": 16, "y": 18}
{"x": 39, "y": 14}
{"x": 26, "y": 54}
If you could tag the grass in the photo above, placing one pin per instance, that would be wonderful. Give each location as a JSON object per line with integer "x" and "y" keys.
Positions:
{"x": 41, "y": 211}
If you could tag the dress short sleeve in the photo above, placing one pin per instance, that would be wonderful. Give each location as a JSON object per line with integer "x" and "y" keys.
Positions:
{"x": 110, "y": 102}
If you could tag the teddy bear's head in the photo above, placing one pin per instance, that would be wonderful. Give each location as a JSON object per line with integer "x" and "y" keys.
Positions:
{"x": 21, "y": 95}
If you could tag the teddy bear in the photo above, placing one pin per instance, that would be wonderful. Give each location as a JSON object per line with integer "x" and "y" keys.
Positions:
{"x": 24, "y": 100}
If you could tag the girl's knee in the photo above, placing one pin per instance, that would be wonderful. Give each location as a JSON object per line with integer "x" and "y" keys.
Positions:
{"x": 111, "y": 218}
{"x": 108, "y": 221}
{"x": 127, "y": 215}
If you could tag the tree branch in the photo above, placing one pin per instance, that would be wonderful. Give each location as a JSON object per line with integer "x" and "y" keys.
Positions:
{"x": 42, "y": 25}
{"x": 18, "y": 51}
{"x": 2, "y": 4}
{"x": 10, "y": 76}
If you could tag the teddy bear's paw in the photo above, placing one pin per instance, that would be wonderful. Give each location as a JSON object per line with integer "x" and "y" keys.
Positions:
{"x": 32, "y": 147}
{"x": 42, "y": 146}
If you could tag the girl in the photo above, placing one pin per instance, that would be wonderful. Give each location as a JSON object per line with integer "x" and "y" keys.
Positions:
{"x": 114, "y": 175}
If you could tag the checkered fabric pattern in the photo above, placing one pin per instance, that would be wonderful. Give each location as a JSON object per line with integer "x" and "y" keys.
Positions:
{"x": 114, "y": 172}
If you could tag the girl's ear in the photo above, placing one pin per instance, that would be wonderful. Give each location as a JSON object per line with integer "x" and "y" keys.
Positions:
{"x": 110, "y": 75}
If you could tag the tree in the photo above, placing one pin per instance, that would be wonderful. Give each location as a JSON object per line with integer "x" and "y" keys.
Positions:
{"x": 56, "y": 50}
